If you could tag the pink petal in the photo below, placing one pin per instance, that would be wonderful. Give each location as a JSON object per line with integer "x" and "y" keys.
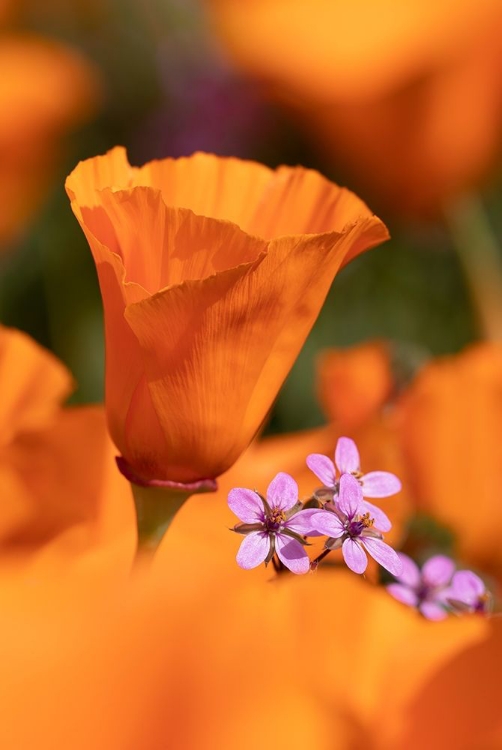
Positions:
{"x": 292, "y": 554}
{"x": 347, "y": 456}
{"x": 438, "y": 570}
{"x": 282, "y": 492}
{"x": 354, "y": 556}
{"x": 467, "y": 587}
{"x": 350, "y": 495}
{"x": 323, "y": 467}
{"x": 327, "y": 524}
{"x": 303, "y": 522}
{"x": 442, "y": 596}
{"x": 253, "y": 550}
{"x": 410, "y": 572}
{"x": 382, "y": 521}
{"x": 402, "y": 594}
{"x": 380, "y": 484}
{"x": 246, "y": 505}
{"x": 383, "y": 554}
{"x": 432, "y": 611}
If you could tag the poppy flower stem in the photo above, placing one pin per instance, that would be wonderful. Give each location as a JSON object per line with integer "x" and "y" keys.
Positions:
{"x": 481, "y": 260}
{"x": 155, "y": 509}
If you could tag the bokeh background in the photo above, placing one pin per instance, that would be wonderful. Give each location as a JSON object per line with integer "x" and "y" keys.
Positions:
{"x": 167, "y": 78}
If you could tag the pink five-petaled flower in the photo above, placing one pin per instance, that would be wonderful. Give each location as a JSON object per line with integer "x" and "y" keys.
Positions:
{"x": 468, "y": 593}
{"x": 275, "y": 524}
{"x": 374, "y": 484}
{"x": 349, "y": 526}
{"x": 425, "y": 589}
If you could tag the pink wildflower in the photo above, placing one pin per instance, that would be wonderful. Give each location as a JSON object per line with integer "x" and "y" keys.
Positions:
{"x": 347, "y": 461}
{"x": 349, "y": 525}
{"x": 468, "y": 593}
{"x": 272, "y": 525}
{"x": 425, "y": 589}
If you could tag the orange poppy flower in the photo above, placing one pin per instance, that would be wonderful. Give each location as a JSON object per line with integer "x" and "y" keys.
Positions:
{"x": 110, "y": 665}
{"x": 33, "y": 382}
{"x": 450, "y": 422}
{"x": 46, "y": 89}
{"x": 354, "y": 383}
{"x": 164, "y": 662}
{"x": 212, "y": 273}
{"x": 64, "y": 502}
{"x": 407, "y": 97}
{"x": 442, "y": 436}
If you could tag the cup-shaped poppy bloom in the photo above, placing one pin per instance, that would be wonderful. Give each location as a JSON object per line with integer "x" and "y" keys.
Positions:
{"x": 405, "y": 97}
{"x": 212, "y": 273}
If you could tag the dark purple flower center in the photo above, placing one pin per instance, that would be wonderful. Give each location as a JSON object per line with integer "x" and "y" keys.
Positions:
{"x": 482, "y": 604}
{"x": 424, "y": 592}
{"x": 357, "y": 525}
{"x": 427, "y": 592}
{"x": 275, "y": 520}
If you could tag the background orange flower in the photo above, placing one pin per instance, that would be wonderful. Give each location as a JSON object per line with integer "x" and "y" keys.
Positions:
{"x": 46, "y": 90}
{"x": 405, "y": 97}
{"x": 450, "y": 423}
{"x": 65, "y": 506}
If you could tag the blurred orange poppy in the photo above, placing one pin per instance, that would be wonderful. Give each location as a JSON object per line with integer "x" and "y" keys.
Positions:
{"x": 355, "y": 386}
{"x": 407, "y": 97}
{"x": 212, "y": 273}
{"x": 33, "y": 382}
{"x": 64, "y": 504}
{"x": 354, "y": 383}
{"x": 450, "y": 422}
{"x": 46, "y": 89}
{"x": 442, "y": 436}
{"x": 163, "y": 666}
{"x": 281, "y": 660}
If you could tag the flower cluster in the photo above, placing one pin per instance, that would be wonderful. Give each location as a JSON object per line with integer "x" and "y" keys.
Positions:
{"x": 437, "y": 588}
{"x": 279, "y": 525}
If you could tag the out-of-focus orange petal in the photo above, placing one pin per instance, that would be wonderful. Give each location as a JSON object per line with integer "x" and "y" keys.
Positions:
{"x": 376, "y": 45}
{"x": 419, "y": 147}
{"x": 353, "y": 384}
{"x": 72, "y": 501}
{"x": 206, "y": 655}
{"x": 63, "y": 499}
{"x": 455, "y": 707}
{"x": 154, "y": 671}
{"x": 384, "y": 98}
{"x": 46, "y": 88}
{"x": 451, "y": 426}
{"x": 33, "y": 383}
{"x": 369, "y": 653}
{"x": 204, "y": 321}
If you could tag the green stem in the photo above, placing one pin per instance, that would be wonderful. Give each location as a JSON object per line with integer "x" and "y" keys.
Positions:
{"x": 155, "y": 509}
{"x": 479, "y": 254}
